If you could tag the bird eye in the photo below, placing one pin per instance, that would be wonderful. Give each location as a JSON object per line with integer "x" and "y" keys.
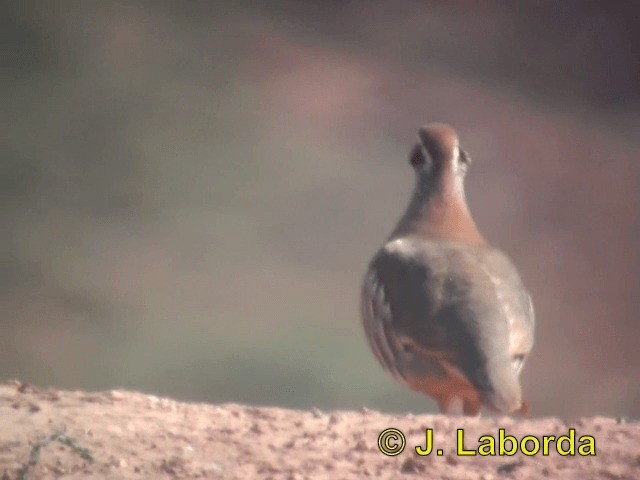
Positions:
{"x": 464, "y": 156}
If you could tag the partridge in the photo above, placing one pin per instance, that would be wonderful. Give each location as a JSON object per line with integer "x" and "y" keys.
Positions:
{"x": 445, "y": 313}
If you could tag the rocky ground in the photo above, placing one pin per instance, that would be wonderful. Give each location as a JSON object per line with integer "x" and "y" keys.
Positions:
{"x": 48, "y": 433}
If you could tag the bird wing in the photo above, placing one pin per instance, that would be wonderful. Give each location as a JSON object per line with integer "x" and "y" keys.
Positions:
{"x": 400, "y": 302}
{"x": 429, "y": 304}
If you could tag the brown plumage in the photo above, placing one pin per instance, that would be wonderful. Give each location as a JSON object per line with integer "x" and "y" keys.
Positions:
{"x": 445, "y": 313}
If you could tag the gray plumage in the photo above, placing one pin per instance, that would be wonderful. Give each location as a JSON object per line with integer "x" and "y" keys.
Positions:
{"x": 444, "y": 312}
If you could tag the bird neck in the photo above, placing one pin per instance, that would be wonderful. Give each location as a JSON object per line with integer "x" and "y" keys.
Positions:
{"x": 438, "y": 210}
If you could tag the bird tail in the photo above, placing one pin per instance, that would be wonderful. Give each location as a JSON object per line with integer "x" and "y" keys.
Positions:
{"x": 502, "y": 390}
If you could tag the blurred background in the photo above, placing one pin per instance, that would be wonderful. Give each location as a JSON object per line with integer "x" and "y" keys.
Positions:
{"x": 191, "y": 191}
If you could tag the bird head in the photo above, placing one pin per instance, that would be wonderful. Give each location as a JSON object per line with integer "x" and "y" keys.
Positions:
{"x": 438, "y": 151}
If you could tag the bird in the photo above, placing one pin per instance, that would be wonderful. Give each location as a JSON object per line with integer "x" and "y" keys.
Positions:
{"x": 444, "y": 312}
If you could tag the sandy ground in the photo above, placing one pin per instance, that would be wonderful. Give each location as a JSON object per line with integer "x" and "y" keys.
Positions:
{"x": 47, "y": 433}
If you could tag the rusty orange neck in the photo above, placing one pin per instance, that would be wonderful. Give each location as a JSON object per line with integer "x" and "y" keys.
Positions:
{"x": 438, "y": 210}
